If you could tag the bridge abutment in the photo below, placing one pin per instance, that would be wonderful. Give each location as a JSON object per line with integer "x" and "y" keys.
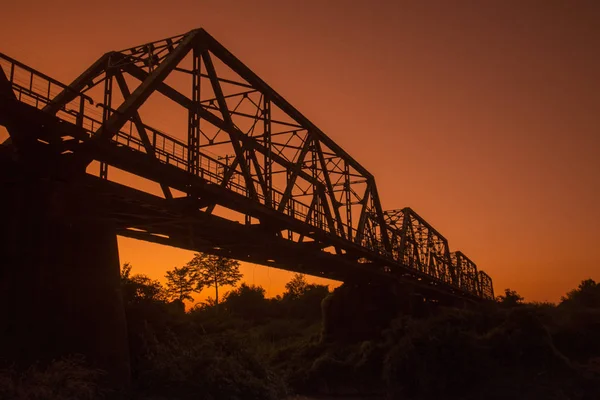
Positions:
{"x": 59, "y": 278}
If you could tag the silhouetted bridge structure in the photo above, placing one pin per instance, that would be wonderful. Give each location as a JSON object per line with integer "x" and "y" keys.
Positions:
{"x": 241, "y": 173}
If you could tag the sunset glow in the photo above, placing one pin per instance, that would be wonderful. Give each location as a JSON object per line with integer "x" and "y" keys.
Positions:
{"x": 484, "y": 119}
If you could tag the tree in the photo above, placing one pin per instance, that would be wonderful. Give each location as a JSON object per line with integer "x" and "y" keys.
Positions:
{"x": 303, "y": 299}
{"x": 138, "y": 287}
{"x": 296, "y": 287}
{"x": 510, "y": 298}
{"x": 247, "y": 301}
{"x": 214, "y": 271}
{"x": 587, "y": 294}
{"x": 126, "y": 271}
{"x": 181, "y": 283}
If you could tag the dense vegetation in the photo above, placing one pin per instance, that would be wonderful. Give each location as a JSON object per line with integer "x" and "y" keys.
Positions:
{"x": 251, "y": 347}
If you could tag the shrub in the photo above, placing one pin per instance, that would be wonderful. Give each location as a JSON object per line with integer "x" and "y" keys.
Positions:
{"x": 576, "y": 333}
{"x": 207, "y": 367}
{"x": 434, "y": 356}
{"x": 64, "y": 379}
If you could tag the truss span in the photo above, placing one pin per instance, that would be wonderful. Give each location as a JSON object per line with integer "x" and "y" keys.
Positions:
{"x": 235, "y": 146}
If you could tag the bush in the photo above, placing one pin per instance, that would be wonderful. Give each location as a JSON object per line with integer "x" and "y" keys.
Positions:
{"x": 524, "y": 341}
{"x": 440, "y": 355}
{"x": 576, "y": 333}
{"x": 65, "y": 379}
{"x": 248, "y": 302}
{"x": 207, "y": 368}
{"x": 586, "y": 295}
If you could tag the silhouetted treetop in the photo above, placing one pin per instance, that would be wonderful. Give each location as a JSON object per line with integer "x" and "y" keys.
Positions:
{"x": 587, "y": 294}
{"x": 510, "y": 298}
{"x": 247, "y": 300}
{"x": 296, "y": 286}
{"x": 139, "y": 287}
{"x": 181, "y": 283}
{"x": 214, "y": 271}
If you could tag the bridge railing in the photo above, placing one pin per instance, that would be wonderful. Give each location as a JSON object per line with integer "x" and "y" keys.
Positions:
{"x": 37, "y": 89}
{"x": 174, "y": 152}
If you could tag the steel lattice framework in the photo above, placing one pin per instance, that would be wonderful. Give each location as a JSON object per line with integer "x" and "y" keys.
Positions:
{"x": 239, "y": 147}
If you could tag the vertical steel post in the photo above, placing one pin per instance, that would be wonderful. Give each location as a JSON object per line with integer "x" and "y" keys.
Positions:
{"x": 348, "y": 199}
{"x": 106, "y": 113}
{"x": 403, "y": 234}
{"x": 315, "y": 189}
{"x": 429, "y": 260}
{"x": 268, "y": 163}
{"x": 193, "y": 155}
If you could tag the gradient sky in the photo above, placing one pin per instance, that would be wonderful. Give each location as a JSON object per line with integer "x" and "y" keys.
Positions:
{"x": 483, "y": 116}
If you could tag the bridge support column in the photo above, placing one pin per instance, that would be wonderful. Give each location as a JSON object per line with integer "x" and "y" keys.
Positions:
{"x": 59, "y": 279}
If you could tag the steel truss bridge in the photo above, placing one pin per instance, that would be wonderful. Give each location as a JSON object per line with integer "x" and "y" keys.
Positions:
{"x": 253, "y": 179}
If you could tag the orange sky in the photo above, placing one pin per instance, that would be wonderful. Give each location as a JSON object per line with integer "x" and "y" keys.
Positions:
{"x": 484, "y": 117}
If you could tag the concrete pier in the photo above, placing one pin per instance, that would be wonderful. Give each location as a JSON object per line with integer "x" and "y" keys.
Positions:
{"x": 59, "y": 278}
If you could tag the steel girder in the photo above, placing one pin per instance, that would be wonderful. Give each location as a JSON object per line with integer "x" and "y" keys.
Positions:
{"x": 418, "y": 245}
{"x": 466, "y": 272}
{"x": 486, "y": 288}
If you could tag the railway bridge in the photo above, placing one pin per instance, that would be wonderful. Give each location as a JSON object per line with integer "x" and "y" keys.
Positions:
{"x": 178, "y": 142}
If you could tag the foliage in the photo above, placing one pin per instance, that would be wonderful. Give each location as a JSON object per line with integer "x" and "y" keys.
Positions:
{"x": 207, "y": 367}
{"x": 308, "y": 305}
{"x": 587, "y": 294}
{"x": 181, "y": 283}
{"x": 68, "y": 378}
{"x": 139, "y": 288}
{"x": 296, "y": 287}
{"x": 214, "y": 271}
{"x": 576, "y": 331}
{"x": 247, "y": 301}
{"x": 485, "y": 351}
{"x": 209, "y": 302}
{"x": 302, "y": 299}
{"x": 510, "y": 298}
{"x": 259, "y": 348}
